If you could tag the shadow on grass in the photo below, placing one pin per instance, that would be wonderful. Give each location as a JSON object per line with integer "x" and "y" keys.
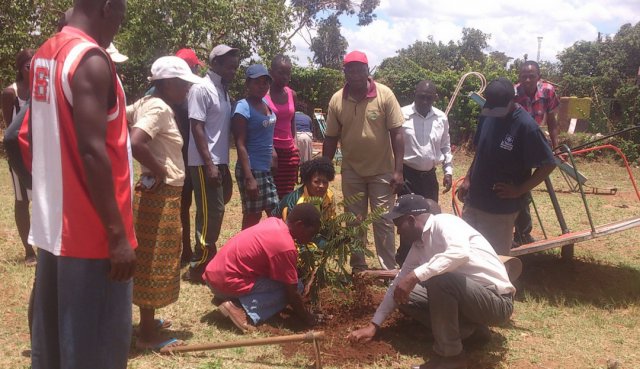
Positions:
{"x": 215, "y": 317}
{"x": 579, "y": 281}
{"x": 410, "y": 338}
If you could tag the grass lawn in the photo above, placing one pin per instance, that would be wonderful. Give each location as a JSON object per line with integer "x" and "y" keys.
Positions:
{"x": 579, "y": 314}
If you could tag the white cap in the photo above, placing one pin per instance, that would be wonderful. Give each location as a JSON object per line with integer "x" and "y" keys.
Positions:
{"x": 172, "y": 67}
{"x": 115, "y": 54}
{"x": 220, "y": 50}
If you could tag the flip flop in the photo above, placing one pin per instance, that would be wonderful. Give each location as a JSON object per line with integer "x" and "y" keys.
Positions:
{"x": 159, "y": 323}
{"x": 171, "y": 342}
{"x": 163, "y": 324}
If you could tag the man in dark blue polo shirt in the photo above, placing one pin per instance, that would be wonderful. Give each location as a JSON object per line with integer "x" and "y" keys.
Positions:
{"x": 509, "y": 144}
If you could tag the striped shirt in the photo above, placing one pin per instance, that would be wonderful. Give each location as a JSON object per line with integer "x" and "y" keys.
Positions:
{"x": 544, "y": 101}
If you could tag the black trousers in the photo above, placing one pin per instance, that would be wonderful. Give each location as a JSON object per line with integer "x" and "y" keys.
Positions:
{"x": 523, "y": 224}
{"x": 420, "y": 183}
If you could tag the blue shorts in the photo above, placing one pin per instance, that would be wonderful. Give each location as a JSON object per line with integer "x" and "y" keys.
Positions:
{"x": 81, "y": 318}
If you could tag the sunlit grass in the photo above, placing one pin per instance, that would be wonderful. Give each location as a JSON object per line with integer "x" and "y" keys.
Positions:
{"x": 568, "y": 315}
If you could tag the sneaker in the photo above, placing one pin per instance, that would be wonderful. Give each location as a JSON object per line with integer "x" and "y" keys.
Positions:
{"x": 236, "y": 314}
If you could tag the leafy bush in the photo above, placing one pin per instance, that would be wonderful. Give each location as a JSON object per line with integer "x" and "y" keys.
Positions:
{"x": 326, "y": 264}
{"x": 315, "y": 86}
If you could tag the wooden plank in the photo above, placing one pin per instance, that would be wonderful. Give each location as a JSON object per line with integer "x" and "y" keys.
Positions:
{"x": 575, "y": 237}
{"x": 512, "y": 264}
{"x": 382, "y": 274}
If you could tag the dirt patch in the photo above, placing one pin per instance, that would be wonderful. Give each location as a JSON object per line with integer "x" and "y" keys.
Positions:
{"x": 350, "y": 309}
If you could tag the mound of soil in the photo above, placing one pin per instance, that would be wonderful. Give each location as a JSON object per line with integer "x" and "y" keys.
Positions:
{"x": 348, "y": 310}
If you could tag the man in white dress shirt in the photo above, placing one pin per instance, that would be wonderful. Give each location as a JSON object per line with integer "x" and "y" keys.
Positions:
{"x": 427, "y": 144}
{"x": 466, "y": 283}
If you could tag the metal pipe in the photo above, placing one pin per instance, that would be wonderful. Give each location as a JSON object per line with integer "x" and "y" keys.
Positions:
{"x": 603, "y": 138}
{"x": 567, "y": 251}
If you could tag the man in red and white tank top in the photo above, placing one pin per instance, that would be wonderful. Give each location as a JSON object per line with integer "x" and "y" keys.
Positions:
{"x": 82, "y": 212}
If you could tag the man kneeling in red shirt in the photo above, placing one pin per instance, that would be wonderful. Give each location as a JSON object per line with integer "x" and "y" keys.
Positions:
{"x": 255, "y": 272}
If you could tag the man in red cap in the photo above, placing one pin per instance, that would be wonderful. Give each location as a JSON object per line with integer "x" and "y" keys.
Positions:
{"x": 189, "y": 55}
{"x": 366, "y": 117}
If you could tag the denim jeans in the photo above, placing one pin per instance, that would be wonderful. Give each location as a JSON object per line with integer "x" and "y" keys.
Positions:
{"x": 266, "y": 299}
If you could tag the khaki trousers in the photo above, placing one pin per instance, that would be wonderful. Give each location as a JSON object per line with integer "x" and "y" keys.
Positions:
{"x": 377, "y": 193}
{"x": 496, "y": 228}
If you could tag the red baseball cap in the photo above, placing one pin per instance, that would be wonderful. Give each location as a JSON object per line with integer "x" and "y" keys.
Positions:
{"x": 190, "y": 57}
{"x": 355, "y": 56}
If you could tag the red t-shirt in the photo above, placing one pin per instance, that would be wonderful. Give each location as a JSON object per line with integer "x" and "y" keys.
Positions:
{"x": 264, "y": 250}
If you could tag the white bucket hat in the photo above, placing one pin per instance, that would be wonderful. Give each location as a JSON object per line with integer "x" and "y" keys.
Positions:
{"x": 172, "y": 67}
{"x": 115, "y": 55}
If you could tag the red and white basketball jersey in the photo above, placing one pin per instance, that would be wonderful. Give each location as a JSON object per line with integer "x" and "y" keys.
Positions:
{"x": 64, "y": 220}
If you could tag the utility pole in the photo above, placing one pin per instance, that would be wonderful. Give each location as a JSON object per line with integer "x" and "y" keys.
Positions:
{"x": 539, "y": 46}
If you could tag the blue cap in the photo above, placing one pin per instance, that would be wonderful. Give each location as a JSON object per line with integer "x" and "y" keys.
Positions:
{"x": 256, "y": 71}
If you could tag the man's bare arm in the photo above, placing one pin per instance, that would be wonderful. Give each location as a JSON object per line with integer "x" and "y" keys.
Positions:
{"x": 200, "y": 139}
{"x": 93, "y": 92}
{"x": 552, "y": 124}
{"x": 329, "y": 147}
{"x": 397, "y": 145}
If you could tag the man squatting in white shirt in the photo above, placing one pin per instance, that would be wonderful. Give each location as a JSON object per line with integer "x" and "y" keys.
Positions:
{"x": 453, "y": 264}
{"x": 426, "y": 144}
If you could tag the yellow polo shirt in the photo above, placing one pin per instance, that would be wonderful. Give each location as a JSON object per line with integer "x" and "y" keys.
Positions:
{"x": 363, "y": 128}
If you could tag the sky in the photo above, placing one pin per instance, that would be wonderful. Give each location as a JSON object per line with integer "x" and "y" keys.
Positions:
{"x": 514, "y": 25}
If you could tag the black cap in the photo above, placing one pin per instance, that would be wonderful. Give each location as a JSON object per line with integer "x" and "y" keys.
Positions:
{"x": 408, "y": 204}
{"x": 499, "y": 93}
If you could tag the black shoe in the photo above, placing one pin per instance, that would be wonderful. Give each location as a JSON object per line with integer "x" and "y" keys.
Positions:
{"x": 480, "y": 337}
{"x": 522, "y": 239}
{"x": 193, "y": 275}
{"x": 445, "y": 362}
{"x": 527, "y": 238}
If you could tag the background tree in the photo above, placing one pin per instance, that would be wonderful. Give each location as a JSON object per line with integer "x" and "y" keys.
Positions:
{"x": 25, "y": 24}
{"x": 435, "y": 56}
{"x": 329, "y": 46}
{"x": 154, "y": 28}
{"x": 471, "y": 47}
{"x": 500, "y": 58}
{"x": 306, "y": 13}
